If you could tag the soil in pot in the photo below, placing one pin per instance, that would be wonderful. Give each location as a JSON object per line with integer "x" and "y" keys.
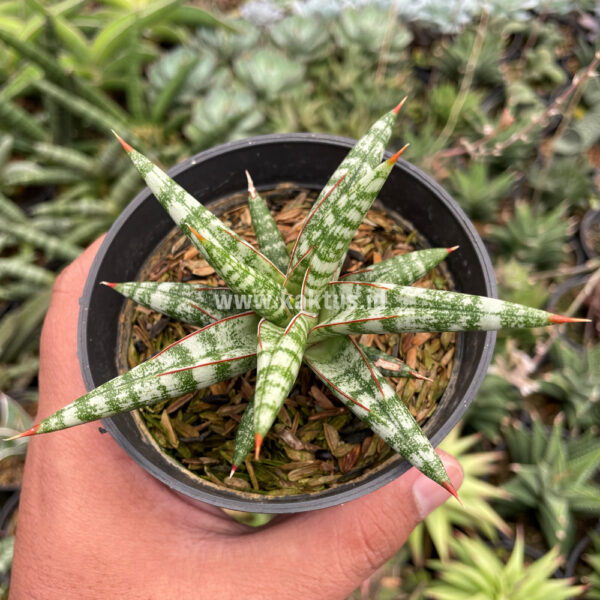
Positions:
{"x": 316, "y": 442}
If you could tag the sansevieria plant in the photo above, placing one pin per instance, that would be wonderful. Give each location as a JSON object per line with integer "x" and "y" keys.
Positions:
{"x": 297, "y": 309}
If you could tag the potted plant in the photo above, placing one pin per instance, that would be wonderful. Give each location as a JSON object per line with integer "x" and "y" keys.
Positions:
{"x": 295, "y": 324}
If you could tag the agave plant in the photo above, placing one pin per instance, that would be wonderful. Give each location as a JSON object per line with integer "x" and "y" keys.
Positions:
{"x": 296, "y": 309}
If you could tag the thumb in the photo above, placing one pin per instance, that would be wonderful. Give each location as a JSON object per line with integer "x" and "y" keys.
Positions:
{"x": 337, "y": 548}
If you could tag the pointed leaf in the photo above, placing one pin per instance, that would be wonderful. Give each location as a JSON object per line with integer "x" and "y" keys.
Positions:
{"x": 340, "y": 364}
{"x": 187, "y": 302}
{"x": 270, "y": 240}
{"x": 264, "y": 295}
{"x": 187, "y": 212}
{"x": 402, "y": 270}
{"x": 275, "y": 379}
{"x": 364, "y": 156}
{"x": 338, "y": 229}
{"x": 217, "y": 352}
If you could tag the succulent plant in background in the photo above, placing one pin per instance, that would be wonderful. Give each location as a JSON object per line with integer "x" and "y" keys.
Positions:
{"x": 492, "y": 405}
{"x": 302, "y": 38}
{"x": 295, "y": 309}
{"x": 533, "y": 236}
{"x": 477, "y": 513}
{"x": 564, "y": 180}
{"x": 478, "y": 192}
{"x": 575, "y": 382}
{"x": 355, "y": 29}
{"x": 553, "y": 477}
{"x": 478, "y": 573}
{"x": 592, "y": 558}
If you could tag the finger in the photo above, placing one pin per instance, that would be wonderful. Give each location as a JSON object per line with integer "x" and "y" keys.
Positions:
{"x": 337, "y": 548}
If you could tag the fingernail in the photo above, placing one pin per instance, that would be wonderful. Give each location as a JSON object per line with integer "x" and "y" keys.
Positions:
{"x": 429, "y": 495}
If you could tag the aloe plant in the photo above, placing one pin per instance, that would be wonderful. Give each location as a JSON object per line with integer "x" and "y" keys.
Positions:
{"x": 302, "y": 313}
{"x": 554, "y": 478}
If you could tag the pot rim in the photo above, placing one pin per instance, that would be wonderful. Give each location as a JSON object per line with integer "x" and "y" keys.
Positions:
{"x": 285, "y": 504}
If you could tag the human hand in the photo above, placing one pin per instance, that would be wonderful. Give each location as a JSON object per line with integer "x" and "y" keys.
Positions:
{"x": 93, "y": 524}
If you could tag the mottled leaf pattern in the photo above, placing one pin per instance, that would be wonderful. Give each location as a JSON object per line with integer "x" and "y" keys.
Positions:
{"x": 270, "y": 240}
{"x": 186, "y": 302}
{"x": 344, "y": 368}
{"x": 187, "y": 212}
{"x": 363, "y": 157}
{"x": 265, "y": 296}
{"x": 404, "y": 269}
{"x": 305, "y": 313}
{"x": 276, "y": 377}
{"x": 215, "y": 353}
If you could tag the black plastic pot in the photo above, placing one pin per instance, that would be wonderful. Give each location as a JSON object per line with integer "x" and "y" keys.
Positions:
{"x": 306, "y": 160}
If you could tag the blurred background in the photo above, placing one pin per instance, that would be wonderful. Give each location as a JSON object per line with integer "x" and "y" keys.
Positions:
{"x": 503, "y": 110}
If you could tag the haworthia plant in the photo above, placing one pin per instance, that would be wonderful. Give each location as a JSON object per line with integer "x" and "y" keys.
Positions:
{"x": 278, "y": 310}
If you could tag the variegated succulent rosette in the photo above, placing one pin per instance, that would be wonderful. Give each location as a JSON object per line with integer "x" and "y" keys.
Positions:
{"x": 298, "y": 310}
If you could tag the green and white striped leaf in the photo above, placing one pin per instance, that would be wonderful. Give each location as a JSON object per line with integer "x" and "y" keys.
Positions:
{"x": 265, "y": 296}
{"x": 345, "y": 369}
{"x": 363, "y": 157}
{"x": 397, "y": 309}
{"x": 275, "y": 378}
{"x": 54, "y": 246}
{"x": 339, "y": 228}
{"x": 10, "y": 211}
{"x": 187, "y": 212}
{"x": 402, "y": 270}
{"x": 215, "y": 353}
{"x": 270, "y": 240}
{"x": 186, "y": 302}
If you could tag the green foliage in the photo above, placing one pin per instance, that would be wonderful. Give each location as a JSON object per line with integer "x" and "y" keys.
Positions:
{"x": 564, "y": 180}
{"x": 492, "y": 406}
{"x": 533, "y": 236}
{"x": 575, "y": 382}
{"x": 478, "y": 573}
{"x": 554, "y": 478}
{"x": 303, "y": 39}
{"x": 268, "y": 72}
{"x": 223, "y": 115}
{"x": 515, "y": 284}
{"x": 362, "y": 31}
{"x": 456, "y": 53}
{"x": 444, "y": 96}
{"x": 592, "y": 558}
{"x": 478, "y": 192}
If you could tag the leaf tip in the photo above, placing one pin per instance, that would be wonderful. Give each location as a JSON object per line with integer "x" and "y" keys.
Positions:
{"x": 453, "y": 249}
{"x": 396, "y": 156}
{"x": 109, "y": 284}
{"x": 251, "y": 188}
{"x": 123, "y": 143}
{"x": 452, "y": 490}
{"x": 399, "y": 106}
{"x": 258, "y": 440}
{"x": 233, "y": 470}
{"x": 32, "y": 431}
{"x": 560, "y": 319}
